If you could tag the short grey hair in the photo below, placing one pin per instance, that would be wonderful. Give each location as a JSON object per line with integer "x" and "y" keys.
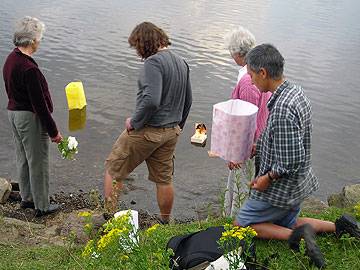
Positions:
{"x": 268, "y": 57}
{"x": 239, "y": 40}
{"x": 28, "y": 30}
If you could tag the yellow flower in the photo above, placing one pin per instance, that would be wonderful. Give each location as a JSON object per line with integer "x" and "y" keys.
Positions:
{"x": 108, "y": 238}
{"x": 88, "y": 226}
{"x": 226, "y": 234}
{"x": 357, "y": 210}
{"x": 151, "y": 229}
{"x": 88, "y": 249}
{"x": 84, "y": 214}
{"x": 238, "y": 232}
{"x": 239, "y": 235}
{"x": 250, "y": 231}
{"x": 120, "y": 221}
{"x": 124, "y": 257}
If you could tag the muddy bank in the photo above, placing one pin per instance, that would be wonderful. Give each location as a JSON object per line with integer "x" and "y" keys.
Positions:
{"x": 20, "y": 226}
{"x": 72, "y": 202}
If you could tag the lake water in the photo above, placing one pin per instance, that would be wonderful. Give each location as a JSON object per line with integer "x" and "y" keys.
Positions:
{"x": 87, "y": 41}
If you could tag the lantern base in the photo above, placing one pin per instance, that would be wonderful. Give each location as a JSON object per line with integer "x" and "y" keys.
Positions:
{"x": 199, "y": 140}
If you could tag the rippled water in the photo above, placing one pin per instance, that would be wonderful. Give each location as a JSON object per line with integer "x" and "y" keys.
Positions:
{"x": 87, "y": 41}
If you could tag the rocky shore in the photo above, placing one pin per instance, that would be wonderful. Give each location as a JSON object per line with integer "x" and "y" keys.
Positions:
{"x": 22, "y": 227}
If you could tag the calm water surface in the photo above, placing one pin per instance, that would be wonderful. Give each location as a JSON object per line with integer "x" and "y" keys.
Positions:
{"x": 87, "y": 41}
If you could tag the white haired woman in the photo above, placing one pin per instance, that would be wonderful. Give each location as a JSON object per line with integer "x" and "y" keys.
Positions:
{"x": 29, "y": 110}
{"x": 239, "y": 42}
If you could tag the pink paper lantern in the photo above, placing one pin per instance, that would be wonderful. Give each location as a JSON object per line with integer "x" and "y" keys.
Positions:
{"x": 233, "y": 129}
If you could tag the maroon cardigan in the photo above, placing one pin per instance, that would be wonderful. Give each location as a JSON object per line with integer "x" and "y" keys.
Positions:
{"x": 27, "y": 89}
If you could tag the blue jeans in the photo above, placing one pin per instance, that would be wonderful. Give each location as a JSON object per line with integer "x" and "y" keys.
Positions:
{"x": 254, "y": 212}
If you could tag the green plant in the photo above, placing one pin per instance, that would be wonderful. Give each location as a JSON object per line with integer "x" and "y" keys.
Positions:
{"x": 70, "y": 240}
{"x": 88, "y": 227}
{"x": 243, "y": 176}
{"x": 94, "y": 198}
{"x": 236, "y": 242}
{"x": 222, "y": 201}
{"x": 357, "y": 210}
{"x": 119, "y": 245}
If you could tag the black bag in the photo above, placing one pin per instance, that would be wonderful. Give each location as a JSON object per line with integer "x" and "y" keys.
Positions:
{"x": 195, "y": 249}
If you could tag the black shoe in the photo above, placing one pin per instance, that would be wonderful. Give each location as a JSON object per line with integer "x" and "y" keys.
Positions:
{"x": 15, "y": 186}
{"x": 27, "y": 204}
{"x": 312, "y": 250}
{"x": 347, "y": 224}
{"x": 52, "y": 209}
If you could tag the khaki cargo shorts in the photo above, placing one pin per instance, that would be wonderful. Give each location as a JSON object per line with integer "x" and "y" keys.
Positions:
{"x": 154, "y": 145}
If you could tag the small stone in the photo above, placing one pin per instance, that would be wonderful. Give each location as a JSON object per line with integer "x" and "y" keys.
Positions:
{"x": 314, "y": 205}
{"x": 335, "y": 200}
{"x": 349, "y": 197}
{"x": 5, "y": 190}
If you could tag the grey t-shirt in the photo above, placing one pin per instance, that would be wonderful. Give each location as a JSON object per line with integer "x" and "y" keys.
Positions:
{"x": 164, "y": 97}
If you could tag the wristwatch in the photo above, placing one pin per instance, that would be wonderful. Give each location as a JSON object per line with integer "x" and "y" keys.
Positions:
{"x": 270, "y": 177}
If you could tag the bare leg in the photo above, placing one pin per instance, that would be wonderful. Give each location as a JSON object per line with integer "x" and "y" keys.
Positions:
{"x": 108, "y": 184}
{"x": 111, "y": 192}
{"x": 165, "y": 199}
{"x": 271, "y": 231}
{"x": 317, "y": 224}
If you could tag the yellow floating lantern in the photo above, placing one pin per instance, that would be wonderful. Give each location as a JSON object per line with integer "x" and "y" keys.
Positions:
{"x": 75, "y": 95}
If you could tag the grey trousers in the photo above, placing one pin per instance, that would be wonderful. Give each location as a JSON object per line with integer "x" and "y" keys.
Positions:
{"x": 32, "y": 157}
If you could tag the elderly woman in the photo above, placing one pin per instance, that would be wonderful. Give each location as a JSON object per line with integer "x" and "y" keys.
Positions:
{"x": 29, "y": 110}
{"x": 239, "y": 42}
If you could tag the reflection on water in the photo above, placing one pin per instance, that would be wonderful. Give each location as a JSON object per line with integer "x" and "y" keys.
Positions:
{"x": 77, "y": 119}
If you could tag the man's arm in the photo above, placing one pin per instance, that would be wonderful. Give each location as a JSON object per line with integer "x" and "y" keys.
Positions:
{"x": 288, "y": 149}
{"x": 188, "y": 100}
{"x": 288, "y": 146}
{"x": 151, "y": 95}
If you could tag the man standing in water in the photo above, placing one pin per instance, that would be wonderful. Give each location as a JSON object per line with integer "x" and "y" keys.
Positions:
{"x": 163, "y": 103}
{"x": 283, "y": 159}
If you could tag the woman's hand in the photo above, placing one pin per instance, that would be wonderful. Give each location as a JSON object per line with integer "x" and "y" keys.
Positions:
{"x": 58, "y": 138}
{"x": 128, "y": 125}
{"x": 233, "y": 165}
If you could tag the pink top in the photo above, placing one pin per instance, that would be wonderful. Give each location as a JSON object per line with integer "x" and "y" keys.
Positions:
{"x": 246, "y": 91}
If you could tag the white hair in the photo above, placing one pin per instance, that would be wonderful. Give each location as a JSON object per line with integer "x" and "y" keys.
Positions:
{"x": 239, "y": 40}
{"x": 27, "y": 31}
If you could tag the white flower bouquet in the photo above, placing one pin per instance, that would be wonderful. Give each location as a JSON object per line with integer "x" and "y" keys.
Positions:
{"x": 68, "y": 147}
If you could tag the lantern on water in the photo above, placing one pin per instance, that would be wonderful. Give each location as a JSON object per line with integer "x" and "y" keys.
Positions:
{"x": 233, "y": 129}
{"x": 75, "y": 95}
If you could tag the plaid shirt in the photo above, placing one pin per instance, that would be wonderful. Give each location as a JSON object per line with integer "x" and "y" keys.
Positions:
{"x": 284, "y": 148}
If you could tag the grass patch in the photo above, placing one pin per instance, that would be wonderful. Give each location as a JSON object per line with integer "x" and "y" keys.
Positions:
{"x": 343, "y": 253}
{"x": 52, "y": 257}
